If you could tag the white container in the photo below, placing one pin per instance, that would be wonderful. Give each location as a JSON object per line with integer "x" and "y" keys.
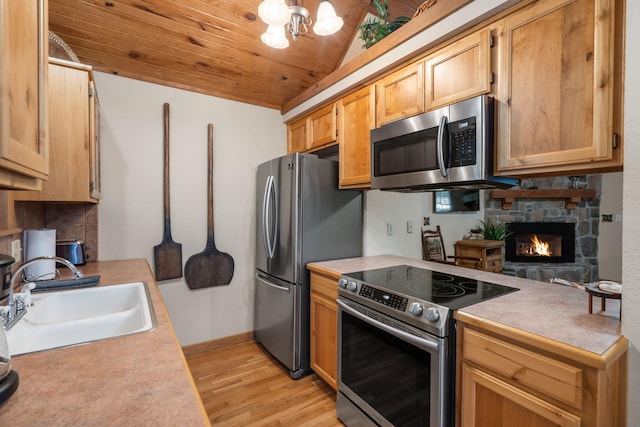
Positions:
{"x": 39, "y": 243}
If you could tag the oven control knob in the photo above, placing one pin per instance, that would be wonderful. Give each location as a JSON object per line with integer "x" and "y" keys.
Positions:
{"x": 352, "y": 286}
{"x": 432, "y": 314}
{"x": 415, "y": 309}
{"x": 342, "y": 283}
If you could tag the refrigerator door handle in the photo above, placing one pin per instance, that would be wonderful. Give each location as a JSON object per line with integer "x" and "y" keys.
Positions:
{"x": 265, "y": 209}
{"x": 270, "y": 222}
{"x": 261, "y": 279}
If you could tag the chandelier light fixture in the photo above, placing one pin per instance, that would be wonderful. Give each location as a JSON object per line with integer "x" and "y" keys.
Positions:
{"x": 295, "y": 20}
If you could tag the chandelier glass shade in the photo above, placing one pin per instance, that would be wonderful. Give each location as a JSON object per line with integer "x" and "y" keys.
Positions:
{"x": 295, "y": 18}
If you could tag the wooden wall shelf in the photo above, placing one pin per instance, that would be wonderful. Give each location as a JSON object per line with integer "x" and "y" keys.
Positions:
{"x": 571, "y": 196}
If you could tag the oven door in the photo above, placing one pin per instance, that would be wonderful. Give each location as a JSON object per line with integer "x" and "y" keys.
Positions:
{"x": 394, "y": 373}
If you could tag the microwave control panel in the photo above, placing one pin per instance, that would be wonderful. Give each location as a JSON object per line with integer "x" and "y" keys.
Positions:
{"x": 462, "y": 141}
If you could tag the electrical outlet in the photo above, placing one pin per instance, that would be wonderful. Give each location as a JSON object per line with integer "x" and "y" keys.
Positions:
{"x": 389, "y": 229}
{"x": 16, "y": 250}
{"x": 409, "y": 227}
{"x": 426, "y": 220}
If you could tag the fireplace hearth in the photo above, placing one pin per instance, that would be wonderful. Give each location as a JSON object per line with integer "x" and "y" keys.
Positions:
{"x": 541, "y": 242}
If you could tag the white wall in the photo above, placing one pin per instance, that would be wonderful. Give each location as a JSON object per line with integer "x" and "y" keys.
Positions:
{"x": 631, "y": 208}
{"x": 382, "y": 207}
{"x": 131, "y": 210}
{"x": 610, "y": 233}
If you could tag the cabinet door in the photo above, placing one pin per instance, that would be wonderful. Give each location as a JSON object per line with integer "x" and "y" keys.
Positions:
{"x": 458, "y": 71}
{"x": 400, "y": 94}
{"x": 297, "y": 136}
{"x": 490, "y": 402}
{"x": 323, "y": 339}
{"x": 357, "y": 118}
{"x": 71, "y": 139}
{"x": 23, "y": 53}
{"x": 555, "y": 87}
{"x": 324, "y": 329}
{"x": 322, "y": 127}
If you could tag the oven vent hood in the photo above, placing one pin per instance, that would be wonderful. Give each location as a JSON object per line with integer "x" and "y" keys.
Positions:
{"x": 489, "y": 183}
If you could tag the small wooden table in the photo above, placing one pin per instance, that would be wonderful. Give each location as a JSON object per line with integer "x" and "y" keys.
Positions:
{"x": 593, "y": 290}
{"x": 480, "y": 254}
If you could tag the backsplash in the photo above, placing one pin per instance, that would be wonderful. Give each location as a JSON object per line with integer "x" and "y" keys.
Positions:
{"x": 70, "y": 220}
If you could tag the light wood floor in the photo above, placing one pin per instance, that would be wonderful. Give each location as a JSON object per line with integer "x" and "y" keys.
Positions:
{"x": 243, "y": 385}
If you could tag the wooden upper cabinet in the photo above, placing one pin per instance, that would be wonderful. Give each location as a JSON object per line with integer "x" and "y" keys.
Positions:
{"x": 297, "y": 136}
{"x": 400, "y": 94}
{"x": 356, "y": 114}
{"x": 322, "y": 127}
{"x": 458, "y": 71}
{"x": 555, "y": 89}
{"x": 313, "y": 131}
{"x": 24, "y": 161}
{"x": 73, "y": 136}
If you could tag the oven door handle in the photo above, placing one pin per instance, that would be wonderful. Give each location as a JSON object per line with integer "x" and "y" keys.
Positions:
{"x": 417, "y": 341}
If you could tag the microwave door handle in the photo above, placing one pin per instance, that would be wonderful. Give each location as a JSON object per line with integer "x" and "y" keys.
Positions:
{"x": 440, "y": 145}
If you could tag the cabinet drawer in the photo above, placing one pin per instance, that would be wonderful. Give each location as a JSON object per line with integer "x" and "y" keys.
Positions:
{"x": 553, "y": 378}
{"x": 324, "y": 286}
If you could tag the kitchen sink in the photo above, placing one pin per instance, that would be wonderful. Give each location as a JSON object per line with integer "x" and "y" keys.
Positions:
{"x": 65, "y": 318}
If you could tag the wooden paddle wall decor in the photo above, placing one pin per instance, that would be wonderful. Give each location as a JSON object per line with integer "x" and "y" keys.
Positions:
{"x": 210, "y": 267}
{"x": 167, "y": 256}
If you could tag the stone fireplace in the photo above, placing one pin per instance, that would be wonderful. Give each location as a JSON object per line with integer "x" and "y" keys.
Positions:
{"x": 569, "y": 229}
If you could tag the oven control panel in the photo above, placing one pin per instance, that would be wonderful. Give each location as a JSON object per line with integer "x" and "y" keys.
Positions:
{"x": 382, "y": 297}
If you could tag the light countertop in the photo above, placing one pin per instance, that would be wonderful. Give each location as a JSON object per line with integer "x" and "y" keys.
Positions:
{"x": 555, "y": 317}
{"x": 140, "y": 379}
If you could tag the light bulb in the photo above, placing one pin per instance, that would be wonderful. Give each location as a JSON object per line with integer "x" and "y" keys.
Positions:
{"x": 328, "y": 22}
{"x": 274, "y": 37}
{"x": 274, "y": 12}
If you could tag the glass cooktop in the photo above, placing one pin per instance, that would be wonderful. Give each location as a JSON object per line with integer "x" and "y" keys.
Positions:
{"x": 439, "y": 288}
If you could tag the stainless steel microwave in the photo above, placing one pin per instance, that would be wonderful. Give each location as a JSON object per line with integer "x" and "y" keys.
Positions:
{"x": 451, "y": 147}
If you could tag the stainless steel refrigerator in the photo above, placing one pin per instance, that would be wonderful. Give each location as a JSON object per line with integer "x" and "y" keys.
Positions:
{"x": 301, "y": 217}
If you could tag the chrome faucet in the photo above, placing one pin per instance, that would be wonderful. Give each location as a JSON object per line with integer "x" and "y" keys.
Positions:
{"x": 16, "y": 308}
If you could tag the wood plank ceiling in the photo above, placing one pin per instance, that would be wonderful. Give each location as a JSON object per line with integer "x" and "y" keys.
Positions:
{"x": 207, "y": 46}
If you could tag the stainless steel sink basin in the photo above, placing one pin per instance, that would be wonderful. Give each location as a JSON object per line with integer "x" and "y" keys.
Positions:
{"x": 64, "y": 318}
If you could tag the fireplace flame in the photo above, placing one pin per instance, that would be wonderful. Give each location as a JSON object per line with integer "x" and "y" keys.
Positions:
{"x": 539, "y": 247}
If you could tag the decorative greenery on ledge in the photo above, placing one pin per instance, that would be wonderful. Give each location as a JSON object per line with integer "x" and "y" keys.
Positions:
{"x": 375, "y": 29}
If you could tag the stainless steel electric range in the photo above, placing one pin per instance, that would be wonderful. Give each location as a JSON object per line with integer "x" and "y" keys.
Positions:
{"x": 396, "y": 344}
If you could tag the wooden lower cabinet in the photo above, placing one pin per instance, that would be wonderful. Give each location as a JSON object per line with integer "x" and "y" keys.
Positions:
{"x": 490, "y": 402}
{"x": 324, "y": 329}
{"x": 505, "y": 382}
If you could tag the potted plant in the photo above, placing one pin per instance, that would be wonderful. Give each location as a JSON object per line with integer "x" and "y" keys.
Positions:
{"x": 375, "y": 29}
{"x": 493, "y": 231}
